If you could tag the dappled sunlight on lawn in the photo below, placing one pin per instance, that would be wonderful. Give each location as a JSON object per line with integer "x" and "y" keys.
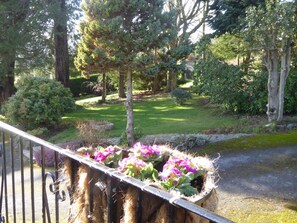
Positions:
{"x": 104, "y": 108}
{"x": 168, "y": 119}
{"x": 153, "y": 115}
{"x": 173, "y": 108}
{"x": 88, "y": 100}
{"x": 139, "y": 110}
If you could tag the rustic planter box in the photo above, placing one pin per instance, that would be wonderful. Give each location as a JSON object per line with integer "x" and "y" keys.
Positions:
{"x": 100, "y": 197}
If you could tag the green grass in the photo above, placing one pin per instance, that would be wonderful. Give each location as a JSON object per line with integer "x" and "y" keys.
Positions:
{"x": 64, "y": 136}
{"x": 160, "y": 115}
{"x": 263, "y": 212}
{"x": 262, "y": 141}
{"x": 155, "y": 116}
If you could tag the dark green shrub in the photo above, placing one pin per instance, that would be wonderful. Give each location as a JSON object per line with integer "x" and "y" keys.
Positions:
{"x": 89, "y": 87}
{"x": 76, "y": 84}
{"x": 180, "y": 96}
{"x": 291, "y": 93}
{"x": 38, "y": 131}
{"x": 39, "y": 102}
{"x": 231, "y": 87}
{"x": 92, "y": 85}
{"x": 181, "y": 81}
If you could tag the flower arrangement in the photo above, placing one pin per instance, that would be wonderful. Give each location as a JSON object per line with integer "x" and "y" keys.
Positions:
{"x": 135, "y": 167}
{"x": 147, "y": 153}
{"x": 109, "y": 156}
{"x": 178, "y": 173}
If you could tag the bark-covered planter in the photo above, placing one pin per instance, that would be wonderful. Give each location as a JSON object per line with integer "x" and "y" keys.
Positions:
{"x": 95, "y": 194}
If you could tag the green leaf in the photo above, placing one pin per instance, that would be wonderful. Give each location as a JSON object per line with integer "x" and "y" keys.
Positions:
{"x": 188, "y": 191}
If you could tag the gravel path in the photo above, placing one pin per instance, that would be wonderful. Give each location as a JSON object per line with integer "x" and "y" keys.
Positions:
{"x": 262, "y": 179}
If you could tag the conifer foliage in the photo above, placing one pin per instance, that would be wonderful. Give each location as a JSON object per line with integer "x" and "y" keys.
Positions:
{"x": 122, "y": 35}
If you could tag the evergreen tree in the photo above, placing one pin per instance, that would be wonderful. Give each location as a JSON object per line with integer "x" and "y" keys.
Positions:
{"x": 272, "y": 30}
{"x": 227, "y": 15}
{"x": 63, "y": 13}
{"x": 15, "y": 35}
{"x": 26, "y": 43}
{"x": 191, "y": 16}
{"x": 125, "y": 32}
{"x": 61, "y": 43}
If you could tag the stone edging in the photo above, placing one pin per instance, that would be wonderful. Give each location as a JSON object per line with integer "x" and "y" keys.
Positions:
{"x": 179, "y": 139}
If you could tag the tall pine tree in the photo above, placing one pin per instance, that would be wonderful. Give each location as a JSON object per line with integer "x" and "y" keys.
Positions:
{"x": 124, "y": 32}
{"x": 12, "y": 15}
{"x": 26, "y": 28}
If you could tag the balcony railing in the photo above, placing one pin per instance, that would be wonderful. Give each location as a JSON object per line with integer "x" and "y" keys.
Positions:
{"x": 30, "y": 193}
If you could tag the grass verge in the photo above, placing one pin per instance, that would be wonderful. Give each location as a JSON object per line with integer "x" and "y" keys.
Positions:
{"x": 263, "y": 212}
{"x": 259, "y": 141}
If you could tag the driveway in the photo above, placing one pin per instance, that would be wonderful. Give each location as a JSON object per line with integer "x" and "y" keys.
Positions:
{"x": 259, "y": 186}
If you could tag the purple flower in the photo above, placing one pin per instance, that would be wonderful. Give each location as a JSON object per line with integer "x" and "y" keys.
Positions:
{"x": 188, "y": 165}
{"x": 147, "y": 153}
{"x": 108, "y": 156}
{"x": 176, "y": 167}
{"x": 132, "y": 162}
{"x": 101, "y": 155}
{"x": 170, "y": 172}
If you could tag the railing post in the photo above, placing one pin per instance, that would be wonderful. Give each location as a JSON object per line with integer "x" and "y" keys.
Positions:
{"x": 57, "y": 186}
{"x": 43, "y": 185}
{"x": 12, "y": 177}
{"x": 32, "y": 182}
{"x": 110, "y": 201}
{"x": 171, "y": 213}
{"x": 139, "y": 208}
{"x": 22, "y": 180}
{"x": 3, "y": 178}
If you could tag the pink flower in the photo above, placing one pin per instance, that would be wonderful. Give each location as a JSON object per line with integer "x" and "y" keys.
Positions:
{"x": 132, "y": 162}
{"x": 101, "y": 155}
{"x": 176, "y": 167}
{"x": 170, "y": 172}
{"x": 188, "y": 166}
{"x": 147, "y": 153}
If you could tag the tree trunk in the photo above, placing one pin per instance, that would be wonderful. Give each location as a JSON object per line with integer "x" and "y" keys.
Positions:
{"x": 168, "y": 82}
{"x": 122, "y": 85}
{"x": 285, "y": 69}
{"x": 171, "y": 82}
{"x": 104, "y": 87}
{"x": 246, "y": 62}
{"x": 8, "y": 53}
{"x": 271, "y": 62}
{"x": 7, "y": 87}
{"x": 156, "y": 84}
{"x": 129, "y": 109}
{"x": 61, "y": 45}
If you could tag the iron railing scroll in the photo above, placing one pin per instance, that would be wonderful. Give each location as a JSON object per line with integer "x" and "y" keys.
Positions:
{"x": 24, "y": 196}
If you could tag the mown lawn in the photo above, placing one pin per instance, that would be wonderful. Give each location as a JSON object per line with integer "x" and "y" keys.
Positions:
{"x": 158, "y": 114}
{"x": 155, "y": 115}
